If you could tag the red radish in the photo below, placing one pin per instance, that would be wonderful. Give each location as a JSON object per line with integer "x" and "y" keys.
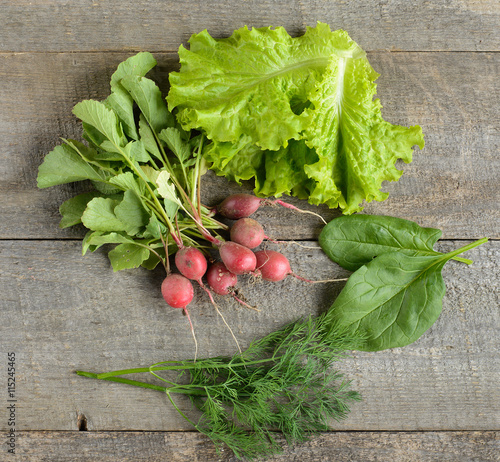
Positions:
{"x": 239, "y": 206}
{"x": 247, "y": 232}
{"x": 191, "y": 262}
{"x": 272, "y": 265}
{"x": 177, "y": 291}
{"x": 250, "y": 233}
{"x": 220, "y": 279}
{"x": 237, "y": 258}
{"x": 222, "y": 282}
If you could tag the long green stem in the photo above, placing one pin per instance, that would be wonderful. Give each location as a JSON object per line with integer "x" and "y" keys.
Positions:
{"x": 181, "y": 367}
{"x": 195, "y": 216}
{"x": 195, "y": 194}
{"x": 140, "y": 174}
{"x": 179, "y": 411}
{"x": 465, "y": 248}
{"x": 175, "y": 388}
{"x": 166, "y": 161}
{"x": 136, "y": 383}
{"x": 463, "y": 260}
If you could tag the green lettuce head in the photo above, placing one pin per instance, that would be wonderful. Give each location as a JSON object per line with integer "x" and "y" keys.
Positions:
{"x": 296, "y": 114}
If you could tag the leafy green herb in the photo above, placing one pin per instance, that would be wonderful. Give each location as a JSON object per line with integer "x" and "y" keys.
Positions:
{"x": 145, "y": 170}
{"x": 65, "y": 165}
{"x": 72, "y": 209}
{"x": 395, "y": 298}
{"x": 283, "y": 381}
{"x": 296, "y": 114}
{"x": 353, "y": 241}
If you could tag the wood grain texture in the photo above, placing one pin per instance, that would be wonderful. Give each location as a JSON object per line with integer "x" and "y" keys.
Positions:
{"x": 452, "y": 184}
{"x": 60, "y": 312}
{"x": 81, "y": 25}
{"x": 435, "y": 400}
{"x": 338, "y": 447}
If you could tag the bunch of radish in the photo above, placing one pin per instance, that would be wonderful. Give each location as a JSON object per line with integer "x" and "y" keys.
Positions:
{"x": 237, "y": 257}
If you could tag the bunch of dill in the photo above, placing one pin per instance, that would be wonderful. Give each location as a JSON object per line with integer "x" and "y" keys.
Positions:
{"x": 282, "y": 383}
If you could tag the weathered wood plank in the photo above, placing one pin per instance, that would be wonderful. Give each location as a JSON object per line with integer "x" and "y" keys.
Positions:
{"x": 462, "y": 25}
{"x": 60, "y": 312}
{"x": 339, "y": 446}
{"x": 452, "y": 184}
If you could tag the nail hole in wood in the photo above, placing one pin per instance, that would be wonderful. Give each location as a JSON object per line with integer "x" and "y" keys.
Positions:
{"x": 82, "y": 423}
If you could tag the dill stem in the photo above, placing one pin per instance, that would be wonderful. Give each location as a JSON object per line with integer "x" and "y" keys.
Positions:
{"x": 136, "y": 383}
{"x": 178, "y": 410}
{"x": 197, "y": 365}
{"x": 180, "y": 389}
{"x": 179, "y": 365}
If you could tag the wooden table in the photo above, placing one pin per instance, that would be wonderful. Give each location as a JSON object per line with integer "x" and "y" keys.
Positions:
{"x": 435, "y": 400}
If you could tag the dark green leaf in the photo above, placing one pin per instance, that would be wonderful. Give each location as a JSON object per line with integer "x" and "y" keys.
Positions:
{"x": 102, "y": 119}
{"x": 127, "y": 181}
{"x": 137, "y": 152}
{"x": 92, "y": 135}
{"x": 393, "y": 299}
{"x": 155, "y": 227}
{"x": 85, "y": 242}
{"x": 150, "y": 173}
{"x": 148, "y": 138}
{"x": 139, "y": 65}
{"x": 100, "y": 215}
{"x": 123, "y": 105}
{"x": 352, "y": 241}
{"x": 150, "y": 101}
{"x": 152, "y": 262}
{"x": 72, "y": 209}
{"x": 131, "y": 213}
{"x": 127, "y": 256}
{"x": 173, "y": 138}
{"x": 120, "y": 100}
{"x": 106, "y": 188}
{"x": 88, "y": 154}
{"x": 98, "y": 239}
{"x": 170, "y": 208}
{"x": 112, "y": 155}
{"x": 64, "y": 165}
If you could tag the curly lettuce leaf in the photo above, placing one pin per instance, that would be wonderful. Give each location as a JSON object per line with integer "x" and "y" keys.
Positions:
{"x": 296, "y": 114}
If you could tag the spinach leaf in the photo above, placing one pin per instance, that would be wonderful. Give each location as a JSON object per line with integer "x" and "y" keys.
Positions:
{"x": 394, "y": 299}
{"x": 353, "y": 241}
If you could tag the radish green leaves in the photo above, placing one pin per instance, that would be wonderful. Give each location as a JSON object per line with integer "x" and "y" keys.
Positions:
{"x": 296, "y": 114}
{"x": 396, "y": 291}
{"x": 144, "y": 168}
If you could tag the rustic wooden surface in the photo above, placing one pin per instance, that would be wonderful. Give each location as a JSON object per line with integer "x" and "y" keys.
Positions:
{"x": 73, "y": 313}
{"x": 338, "y": 447}
{"x": 437, "y": 399}
{"x": 453, "y": 96}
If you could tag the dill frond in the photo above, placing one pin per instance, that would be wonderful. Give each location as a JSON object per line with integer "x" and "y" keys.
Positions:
{"x": 283, "y": 382}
